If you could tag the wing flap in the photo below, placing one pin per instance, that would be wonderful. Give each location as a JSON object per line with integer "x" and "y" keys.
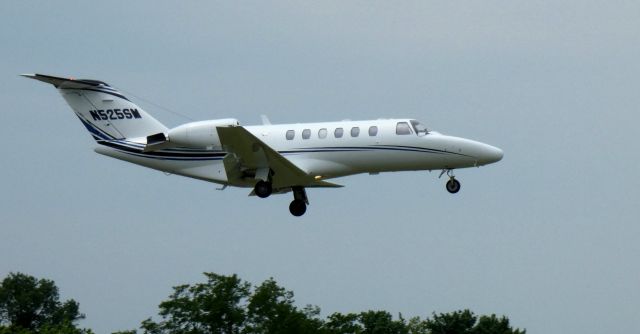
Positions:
{"x": 254, "y": 154}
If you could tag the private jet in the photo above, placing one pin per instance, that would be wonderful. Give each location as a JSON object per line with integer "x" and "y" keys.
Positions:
{"x": 269, "y": 158}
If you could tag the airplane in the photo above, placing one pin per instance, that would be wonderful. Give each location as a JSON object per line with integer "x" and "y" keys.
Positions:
{"x": 270, "y": 159}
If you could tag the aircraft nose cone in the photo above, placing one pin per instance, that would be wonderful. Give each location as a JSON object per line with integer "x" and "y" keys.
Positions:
{"x": 490, "y": 154}
{"x": 497, "y": 154}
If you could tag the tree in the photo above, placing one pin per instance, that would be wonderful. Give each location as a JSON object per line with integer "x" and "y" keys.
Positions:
{"x": 458, "y": 322}
{"x": 271, "y": 309}
{"x": 228, "y": 305}
{"x": 494, "y": 325}
{"x": 465, "y": 322}
{"x": 30, "y": 305}
{"x": 381, "y": 322}
{"x": 417, "y": 326}
{"x": 216, "y": 306}
{"x": 339, "y": 323}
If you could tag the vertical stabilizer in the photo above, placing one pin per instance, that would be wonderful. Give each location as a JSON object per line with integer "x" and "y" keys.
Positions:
{"x": 104, "y": 111}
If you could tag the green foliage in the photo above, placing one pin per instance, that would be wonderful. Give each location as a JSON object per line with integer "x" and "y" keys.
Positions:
{"x": 494, "y": 325}
{"x": 226, "y": 304}
{"x": 30, "y": 305}
{"x": 465, "y": 322}
{"x": 49, "y": 329}
{"x": 339, "y": 323}
{"x": 66, "y": 328}
{"x": 458, "y": 322}
{"x": 417, "y": 326}
{"x": 271, "y": 310}
{"x": 216, "y": 306}
{"x": 381, "y": 322}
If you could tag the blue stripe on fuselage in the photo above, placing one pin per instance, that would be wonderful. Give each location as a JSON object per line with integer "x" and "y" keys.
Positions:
{"x": 371, "y": 148}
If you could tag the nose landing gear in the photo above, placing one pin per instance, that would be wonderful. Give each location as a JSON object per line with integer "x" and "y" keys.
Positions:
{"x": 453, "y": 186}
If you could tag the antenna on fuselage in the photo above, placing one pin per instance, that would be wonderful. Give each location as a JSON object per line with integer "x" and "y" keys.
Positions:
{"x": 265, "y": 120}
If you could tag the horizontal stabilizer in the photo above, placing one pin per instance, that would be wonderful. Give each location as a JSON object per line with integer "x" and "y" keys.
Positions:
{"x": 70, "y": 83}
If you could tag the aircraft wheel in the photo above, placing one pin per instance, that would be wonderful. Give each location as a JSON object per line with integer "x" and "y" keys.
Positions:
{"x": 297, "y": 207}
{"x": 453, "y": 186}
{"x": 263, "y": 189}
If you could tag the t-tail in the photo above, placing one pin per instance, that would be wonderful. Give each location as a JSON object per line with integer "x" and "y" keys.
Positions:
{"x": 104, "y": 111}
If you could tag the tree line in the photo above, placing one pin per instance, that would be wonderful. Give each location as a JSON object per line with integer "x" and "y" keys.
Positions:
{"x": 226, "y": 305}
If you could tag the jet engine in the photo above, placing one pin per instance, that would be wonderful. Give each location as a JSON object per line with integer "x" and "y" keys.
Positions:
{"x": 194, "y": 134}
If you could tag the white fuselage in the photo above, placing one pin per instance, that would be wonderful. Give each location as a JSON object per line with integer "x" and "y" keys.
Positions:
{"x": 319, "y": 151}
{"x": 268, "y": 158}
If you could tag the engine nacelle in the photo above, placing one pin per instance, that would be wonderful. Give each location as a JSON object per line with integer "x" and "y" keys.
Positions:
{"x": 199, "y": 134}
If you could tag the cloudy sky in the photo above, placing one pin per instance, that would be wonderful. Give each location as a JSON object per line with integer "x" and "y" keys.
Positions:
{"x": 548, "y": 236}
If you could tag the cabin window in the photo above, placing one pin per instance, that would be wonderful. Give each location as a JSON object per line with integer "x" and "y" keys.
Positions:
{"x": 306, "y": 134}
{"x": 290, "y": 134}
{"x": 355, "y": 131}
{"x": 322, "y": 133}
{"x": 373, "y": 131}
{"x": 338, "y": 133}
{"x": 403, "y": 128}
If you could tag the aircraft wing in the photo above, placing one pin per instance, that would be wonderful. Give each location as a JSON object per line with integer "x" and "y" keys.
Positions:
{"x": 252, "y": 153}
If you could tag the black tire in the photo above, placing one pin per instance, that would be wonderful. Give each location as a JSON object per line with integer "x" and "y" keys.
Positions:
{"x": 297, "y": 207}
{"x": 263, "y": 189}
{"x": 453, "y": 186}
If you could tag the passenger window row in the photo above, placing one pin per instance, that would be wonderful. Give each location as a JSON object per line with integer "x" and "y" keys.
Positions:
{"x": 402, "y": 128}
{"x": 337, "y": 133}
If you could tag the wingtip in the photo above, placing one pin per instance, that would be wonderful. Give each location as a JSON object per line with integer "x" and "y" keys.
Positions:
{"x": 28, "y": 75}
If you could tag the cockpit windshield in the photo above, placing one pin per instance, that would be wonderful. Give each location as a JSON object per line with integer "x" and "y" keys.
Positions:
{"x": 419, "y": 128}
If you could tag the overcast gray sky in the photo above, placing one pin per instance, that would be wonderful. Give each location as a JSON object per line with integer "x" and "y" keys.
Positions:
{"x": 548, "y": 236}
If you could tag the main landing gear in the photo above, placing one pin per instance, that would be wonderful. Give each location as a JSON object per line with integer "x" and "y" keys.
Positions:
{"x": 298, "y": 206}
{"x": 263, "y": 189}
{"x": 453, "y": 186}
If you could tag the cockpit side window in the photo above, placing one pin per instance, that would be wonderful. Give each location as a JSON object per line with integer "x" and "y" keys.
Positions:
{"x": 419, "y": 128}
{"x": 403, "y": 128}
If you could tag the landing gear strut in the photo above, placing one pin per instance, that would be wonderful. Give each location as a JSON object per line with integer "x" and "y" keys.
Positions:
{"x": 453, "y": 186}
{"x": 299, "y": 204}
{"x": 263, "y": 189}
